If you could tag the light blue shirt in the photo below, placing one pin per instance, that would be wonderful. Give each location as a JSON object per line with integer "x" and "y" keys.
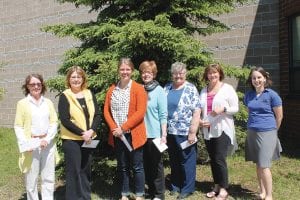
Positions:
{"x": 156, "y": 112}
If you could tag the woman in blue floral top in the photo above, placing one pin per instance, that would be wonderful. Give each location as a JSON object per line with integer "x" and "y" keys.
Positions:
{"x": 183, "y": 120}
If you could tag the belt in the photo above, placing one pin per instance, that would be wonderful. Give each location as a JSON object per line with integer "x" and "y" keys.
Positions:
{"x": 39, "y": 136}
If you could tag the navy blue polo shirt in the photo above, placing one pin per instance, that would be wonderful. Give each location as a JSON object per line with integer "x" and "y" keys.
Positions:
{"x": 261, "y": 116}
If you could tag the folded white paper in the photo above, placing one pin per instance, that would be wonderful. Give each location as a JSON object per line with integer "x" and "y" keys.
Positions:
{"x": 123, "y": 138}
{"x": 186, "y": 144}
{"x": 93, "y": 144}
{"x": 30, "y": 145}
{"x": 210, "y": 119}
{"x": 160, "y": 146}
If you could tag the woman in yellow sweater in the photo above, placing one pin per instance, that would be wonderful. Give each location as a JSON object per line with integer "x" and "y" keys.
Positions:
{"x": 35, "y": 127}
{"x": 79, "y": 114}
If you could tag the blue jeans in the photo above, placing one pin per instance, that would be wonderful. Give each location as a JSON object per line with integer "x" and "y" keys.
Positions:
{"x": 127, "y": 161}
{"x": 183, "y": 164}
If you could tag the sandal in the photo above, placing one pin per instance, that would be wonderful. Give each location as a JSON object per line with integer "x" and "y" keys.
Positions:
{"x": 211, "y": 194}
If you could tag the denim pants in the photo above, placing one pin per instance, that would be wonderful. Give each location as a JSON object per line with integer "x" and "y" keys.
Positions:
{"x": 154, "y": 170}
{"x": 217, "y": 149}
{"x": 127, "y": 161}
{"x": 78, "y": 170}
{"x": 183, "y": 164}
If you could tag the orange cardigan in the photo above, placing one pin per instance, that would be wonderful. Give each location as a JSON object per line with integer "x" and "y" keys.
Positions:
{"x": 136, "y": 112}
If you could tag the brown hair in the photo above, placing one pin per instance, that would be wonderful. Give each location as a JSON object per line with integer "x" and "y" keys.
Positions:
{"x": 126, "y": 61}
{"x": 214, "y": 67}
{"x": 148, "y": 66}
{"x": 27, "y": 81}
{"x": 261, "y": 70}
{"x": 81, "y": 72}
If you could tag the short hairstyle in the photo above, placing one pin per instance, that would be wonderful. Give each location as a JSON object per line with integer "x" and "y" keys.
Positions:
{"x": 79, "y": 71}
{"x": 126, "y": 61}
{"x": 261, "y": 70}
{"x": 177, "y": 67}
{"x": 213, "y": 67}
{"x": 27, "y": 81}
{"x": 148, "y": 66}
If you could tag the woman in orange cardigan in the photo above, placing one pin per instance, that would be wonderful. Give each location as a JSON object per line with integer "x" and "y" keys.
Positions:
{"x": 124, "y": 110}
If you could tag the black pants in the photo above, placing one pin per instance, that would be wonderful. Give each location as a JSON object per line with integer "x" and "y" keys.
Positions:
{"x": 154, "y": 170}
{"x": 78, "y": 170}
{"x": 217, "y": 149}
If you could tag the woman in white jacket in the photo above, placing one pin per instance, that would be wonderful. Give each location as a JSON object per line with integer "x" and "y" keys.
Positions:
{"x": 219, "y": 102}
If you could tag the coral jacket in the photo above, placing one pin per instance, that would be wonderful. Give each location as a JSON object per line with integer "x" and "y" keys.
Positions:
{"x": 136, "y": 113}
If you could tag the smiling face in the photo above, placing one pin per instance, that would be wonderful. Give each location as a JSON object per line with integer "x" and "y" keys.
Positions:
{"x": 213, "y": 76}
{"x": 147, "y": 76}
{"x": 76, "y": 81}
{"x": 125, "y": 72}
{"x": 35, "y": 87}
{"x": 258, "y": 80}
{"x": 179, "y": 77}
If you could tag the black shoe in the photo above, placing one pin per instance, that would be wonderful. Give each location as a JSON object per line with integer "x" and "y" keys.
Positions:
{"x": 184, "y": 196}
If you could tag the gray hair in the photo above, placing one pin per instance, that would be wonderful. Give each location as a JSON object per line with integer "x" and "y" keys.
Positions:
{"x": 178, "y": 67}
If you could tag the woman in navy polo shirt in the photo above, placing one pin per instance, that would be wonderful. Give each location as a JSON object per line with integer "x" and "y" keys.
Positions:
{"x": 265, "y": 116}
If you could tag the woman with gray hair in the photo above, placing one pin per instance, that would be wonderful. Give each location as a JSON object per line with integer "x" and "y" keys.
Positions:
{"x": 183, "y": 120}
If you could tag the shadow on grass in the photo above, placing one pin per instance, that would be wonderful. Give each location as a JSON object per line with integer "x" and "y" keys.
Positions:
{"x": 236, "y": 191}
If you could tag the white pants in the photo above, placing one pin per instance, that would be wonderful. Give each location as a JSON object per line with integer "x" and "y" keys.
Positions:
{"x": 43, "y": 161}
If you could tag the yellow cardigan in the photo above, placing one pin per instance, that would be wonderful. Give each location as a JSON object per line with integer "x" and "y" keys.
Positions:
{"x": 77, "y": 114}
{"x": 23, "y": 119}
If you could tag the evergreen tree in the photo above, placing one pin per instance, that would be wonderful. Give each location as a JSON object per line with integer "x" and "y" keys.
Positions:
{"x": 160, "y": 30}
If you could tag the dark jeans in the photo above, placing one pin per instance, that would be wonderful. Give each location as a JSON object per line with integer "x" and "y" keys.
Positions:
{"x": 183, "y": 164}
{"x": 78, "y": 170}
{"x": 217, "y": 149}
{"x": 154, "y": 170}
{"x": 126, "y": 161}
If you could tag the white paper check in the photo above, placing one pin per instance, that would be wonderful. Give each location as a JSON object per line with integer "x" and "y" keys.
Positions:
{"x": 93, "y": 144}
{"x": 160, "y": 146}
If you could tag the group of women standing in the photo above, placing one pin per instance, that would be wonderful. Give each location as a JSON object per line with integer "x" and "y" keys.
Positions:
{"x": 138, "y": 115}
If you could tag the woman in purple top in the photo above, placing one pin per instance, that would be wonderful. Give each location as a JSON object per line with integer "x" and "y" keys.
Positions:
{"x": 265, "y": 116}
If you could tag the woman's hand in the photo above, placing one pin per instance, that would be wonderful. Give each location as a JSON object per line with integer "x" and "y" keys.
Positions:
{"x": 204, "y": 124}
{"x": 43, "y": 144}
{"x": 117, "y": 132}
{"x": 191, "y": 138}
{"x": 163, "y": 139}
{"x": 87, "y": 136}
{"x": 217, "y": 111}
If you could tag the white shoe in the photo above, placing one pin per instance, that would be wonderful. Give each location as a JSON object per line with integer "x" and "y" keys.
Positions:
{"x": 156, "y": 198}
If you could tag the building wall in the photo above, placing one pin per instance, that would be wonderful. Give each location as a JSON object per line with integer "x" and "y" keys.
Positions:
{"x": 253, "y": 38}
{"x": 291, "y": 104}
{"x": 25, "y": 49}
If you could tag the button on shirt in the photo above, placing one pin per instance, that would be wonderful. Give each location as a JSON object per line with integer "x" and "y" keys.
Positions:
{"x": 40, "y": 123}
{"x": 261, "y": 115}
{"x": 120, "y": 103}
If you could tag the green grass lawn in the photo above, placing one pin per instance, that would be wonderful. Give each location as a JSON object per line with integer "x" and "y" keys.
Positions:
{"x": 243, "y": 185}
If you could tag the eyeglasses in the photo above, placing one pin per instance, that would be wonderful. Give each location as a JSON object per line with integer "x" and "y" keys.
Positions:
{"x": 178, "y": 73}
{"x": 35, "y": 84}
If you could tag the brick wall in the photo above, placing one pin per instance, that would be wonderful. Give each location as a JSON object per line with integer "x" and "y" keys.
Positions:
{"x": 25, "y": 49}
{"x": 253, "y": 38}
{"x": 291, "y": 104}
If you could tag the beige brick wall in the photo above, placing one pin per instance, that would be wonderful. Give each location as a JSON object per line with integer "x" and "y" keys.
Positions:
{"x": 253, "y": 38}
{"x": 25, "y": 49}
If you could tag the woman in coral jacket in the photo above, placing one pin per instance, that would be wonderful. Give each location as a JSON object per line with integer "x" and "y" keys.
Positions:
{"x": 124, "y": 110}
